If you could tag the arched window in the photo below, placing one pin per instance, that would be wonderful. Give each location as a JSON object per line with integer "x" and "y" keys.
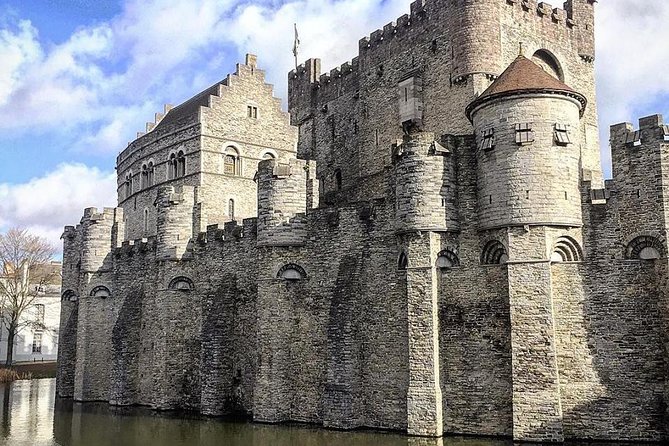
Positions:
{"x": 70, "y": 296}
{"x": 402, "y": 261}
{"x": 268, "y": 156}
{"x": 151, "y": 174}
{"x": 494, "y": 253}
{"x": 546, "y": 60}
{"x": 566, "y": 250}
{"x": 127, "y": 185}
{"x": 337, "y": 175}
{"x": 144, "y": 183}
{"x": 181, "y": 284}
{"x": 231, "y": 209}
{"x": 645, "y": 247}
{"x": 101, "y": 292}
{"x": 231, "y": 161}
{"x": 172, "y": 167}
{"x": 447, "y": 259}
{"x": 181, "y": 164}
{"x": 291, "y": 272}
{"x": 146, "y": 221}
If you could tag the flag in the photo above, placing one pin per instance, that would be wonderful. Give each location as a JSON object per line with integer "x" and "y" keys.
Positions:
{"x": 296, "y": 44}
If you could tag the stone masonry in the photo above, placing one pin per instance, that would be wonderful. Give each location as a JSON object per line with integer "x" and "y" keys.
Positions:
{"x": 423, "y": 243}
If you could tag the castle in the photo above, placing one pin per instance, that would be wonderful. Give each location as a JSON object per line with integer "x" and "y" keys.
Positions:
{"x": 424, "y": 243}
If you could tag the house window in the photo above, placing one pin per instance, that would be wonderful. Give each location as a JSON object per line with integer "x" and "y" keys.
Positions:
{"x": 524, "y": 134}
{"x": 231, "y": 209}
{"x": 488, "y": 140}
{"x": 39, "y": 318}
{"x": 562, "y": 135}
{"x": 37, "y": 342}
{"x": 181, "y": 164}
{"x": 252, "y": 111}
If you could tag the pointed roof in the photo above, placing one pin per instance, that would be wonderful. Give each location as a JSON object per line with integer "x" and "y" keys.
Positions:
{"x": 521, "y": 77}
{"x": 191, "y": 107}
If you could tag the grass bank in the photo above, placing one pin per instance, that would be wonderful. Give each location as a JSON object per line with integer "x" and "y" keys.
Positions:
{"x": 29, "y": 370}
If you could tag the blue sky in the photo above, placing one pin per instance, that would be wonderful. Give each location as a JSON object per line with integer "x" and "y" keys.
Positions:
{"x": 79, "y": 78}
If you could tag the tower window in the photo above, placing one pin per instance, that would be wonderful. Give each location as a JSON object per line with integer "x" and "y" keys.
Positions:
{"x": 252, "y": 111}
{"x": 524, "y": 134}
{"x": 231, "y": 209}
{"x": 487, "y": 140}
{"x": 145, "y": 176}
{"x": 338, "y": 181}
{"x": 181, "y": 164}
{"x": 172, "y": 167}
{"x": 146, "y": 221}
{"x": 127, "y": 185}
{"x": 562, "y": 135}
{"x": 151, "y": 174}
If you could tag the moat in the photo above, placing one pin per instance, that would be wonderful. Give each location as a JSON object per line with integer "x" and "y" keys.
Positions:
{"x": 30, "y": 415}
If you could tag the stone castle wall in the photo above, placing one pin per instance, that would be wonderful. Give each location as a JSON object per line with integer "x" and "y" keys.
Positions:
{"x": 376, "y": 287}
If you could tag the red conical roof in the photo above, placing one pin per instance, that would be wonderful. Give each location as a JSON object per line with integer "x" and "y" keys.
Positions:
{"x": 524, "y": 76}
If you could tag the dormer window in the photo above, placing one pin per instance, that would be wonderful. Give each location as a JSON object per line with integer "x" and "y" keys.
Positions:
{"x": 562, "y": 137}
{"x": 487, "y": 140}
{"x": 524, "y": 134}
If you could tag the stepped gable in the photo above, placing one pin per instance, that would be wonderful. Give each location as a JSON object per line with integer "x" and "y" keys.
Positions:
{"x": 524, "y": 76}
{"x": 191, "y": 107}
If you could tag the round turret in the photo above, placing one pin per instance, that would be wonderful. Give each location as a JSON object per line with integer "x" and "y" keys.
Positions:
{"x": 528, "y": 156}
{"x": 423, "y": 173}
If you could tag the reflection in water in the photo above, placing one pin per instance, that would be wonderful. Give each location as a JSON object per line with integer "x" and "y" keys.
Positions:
{"x": 31, "y": 416}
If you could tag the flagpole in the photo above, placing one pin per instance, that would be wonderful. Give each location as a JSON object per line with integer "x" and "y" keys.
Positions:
{"x": 296, "y": 45}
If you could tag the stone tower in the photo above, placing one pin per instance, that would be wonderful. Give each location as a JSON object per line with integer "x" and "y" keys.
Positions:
{"x": 528, "y": 171}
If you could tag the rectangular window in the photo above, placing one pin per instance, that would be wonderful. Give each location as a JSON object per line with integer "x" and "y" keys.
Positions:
{"x": 40, "y": 313}
{"x": 488, "y": 140}
{"x": 562, "y": 135}
{"x": 252, "y": 111}
{"x": 524, "y": 134}
{"x": 37, "y": 342}
{"x": 229, "y": 165}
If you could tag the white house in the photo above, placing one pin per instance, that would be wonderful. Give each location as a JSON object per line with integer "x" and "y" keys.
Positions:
{"x": 37, "y": 339}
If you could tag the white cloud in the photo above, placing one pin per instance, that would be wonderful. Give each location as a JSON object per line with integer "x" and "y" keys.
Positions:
{"x": 46, "y": 204}
{"x": 632, "y": 64}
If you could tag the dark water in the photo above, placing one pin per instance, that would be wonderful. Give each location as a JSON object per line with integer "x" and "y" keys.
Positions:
{"x": 30, "y": 415}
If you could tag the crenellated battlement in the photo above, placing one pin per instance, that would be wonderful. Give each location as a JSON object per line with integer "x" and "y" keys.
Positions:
{"x": 397, "y": 28}
{"x": 651, "y": 130}
{"x": 545, "y": 10}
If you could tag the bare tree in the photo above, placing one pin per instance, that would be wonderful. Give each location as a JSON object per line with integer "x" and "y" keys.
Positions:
{"x": 26, "y": 270}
